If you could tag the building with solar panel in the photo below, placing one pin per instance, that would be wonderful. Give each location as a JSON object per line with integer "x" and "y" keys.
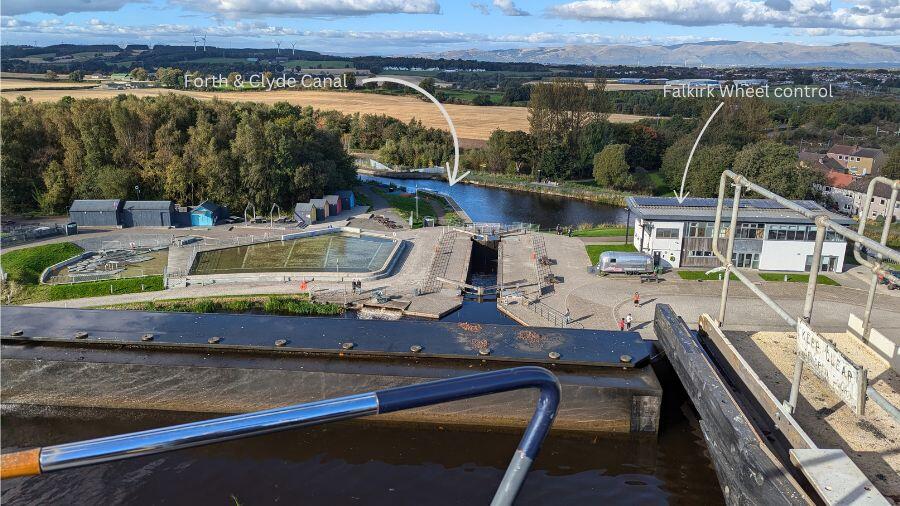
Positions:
{"x": 769, "y": 236}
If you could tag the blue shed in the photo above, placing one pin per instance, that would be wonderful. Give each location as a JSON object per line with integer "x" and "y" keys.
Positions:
{"x": 348, "y": 200}
{"x": 207, "y": 214}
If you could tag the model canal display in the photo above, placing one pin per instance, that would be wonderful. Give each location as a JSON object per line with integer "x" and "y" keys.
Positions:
{"x": 339, "y": 252}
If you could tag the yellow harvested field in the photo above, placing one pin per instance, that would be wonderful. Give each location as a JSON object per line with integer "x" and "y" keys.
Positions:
{"x": 472, "y": 122}
{"x": 29, "y": 84}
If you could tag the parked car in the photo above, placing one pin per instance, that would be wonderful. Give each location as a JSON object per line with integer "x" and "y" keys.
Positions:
{"x": 624, "y": 262}
{"x": 891, "y": 285}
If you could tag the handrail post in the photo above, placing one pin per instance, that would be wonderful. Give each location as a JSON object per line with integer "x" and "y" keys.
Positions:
{"x": 736, "y": 204}
{"x": 885, "y": 232}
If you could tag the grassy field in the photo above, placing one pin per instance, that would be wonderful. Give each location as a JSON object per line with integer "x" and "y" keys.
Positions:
{"x": 406, "y": 205}
{"x": 26, "y": 265}
{"x": 702, "y": 275}
{"x": 285, "y": 305}
{"x": 798, "y": 278}
{"x": 471, "y": 121}
{"x": 599, "y": 230}
{"x": 319, "y": 64}
{"x": 595, "y": 250}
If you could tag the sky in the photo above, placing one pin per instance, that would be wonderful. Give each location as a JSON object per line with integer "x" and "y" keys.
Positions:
{"x": 400, "y": 27}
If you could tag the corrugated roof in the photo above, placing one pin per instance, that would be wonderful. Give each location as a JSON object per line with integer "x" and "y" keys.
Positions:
{"x": 303, "y": 206}
{"x": 208, "y": 205}
{"x": 147, "y": 205}
{"x": 318, "y": 202}
{"x": 95, "y": 205}
{"x": 704, "y": 209}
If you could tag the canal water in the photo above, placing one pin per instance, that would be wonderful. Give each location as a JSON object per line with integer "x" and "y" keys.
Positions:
{"x": 497, "y": 205}
{"x": 360, "y": 462}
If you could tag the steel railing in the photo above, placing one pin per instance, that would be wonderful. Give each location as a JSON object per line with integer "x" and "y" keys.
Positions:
{"x": 136, "y": 444}
{"x": 823, "y": 223}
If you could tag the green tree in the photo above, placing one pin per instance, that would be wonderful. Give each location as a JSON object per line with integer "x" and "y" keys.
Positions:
{"x": 427, "y": 84}
{"x": 706, "y": 169}
{"x": 50, "y": 75}
{"x": 139, "y": 74}
{"x": 611, "y": 169}
{"x": 775, "y": 166}
{"x": 76, "y": 76}
{"x": 170, "y": 77}
{"x": 891, "y": 167}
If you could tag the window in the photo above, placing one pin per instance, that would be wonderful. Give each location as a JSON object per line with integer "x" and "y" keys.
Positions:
{"x": 700, "y": 229}
{"x": 750, "y": 231}
{"x": 699, "y": 253}
{"x": 667, "y": 233}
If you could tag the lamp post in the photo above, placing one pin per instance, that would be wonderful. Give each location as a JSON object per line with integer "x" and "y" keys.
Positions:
{"x": 627, "y": 220}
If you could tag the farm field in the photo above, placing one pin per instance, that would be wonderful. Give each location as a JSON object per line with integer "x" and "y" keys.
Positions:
{"x": 30, "y": 84}
{"x": 472, "y": 122}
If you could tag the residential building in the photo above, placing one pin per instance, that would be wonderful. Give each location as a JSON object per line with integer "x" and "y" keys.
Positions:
{"x": 857, "y": 160}
{"x": 769, "y": 236}
{"x": 847, "y": 194}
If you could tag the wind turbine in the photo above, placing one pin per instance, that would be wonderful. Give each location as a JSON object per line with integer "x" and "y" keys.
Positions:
{"x": 195, "y": 42}
{"x": 203, "y": 38}
{"x": 293, "y": 45}
{"x": 277, "y": 46}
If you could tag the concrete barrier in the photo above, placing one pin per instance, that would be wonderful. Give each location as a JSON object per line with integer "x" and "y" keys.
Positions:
{"x": 885, "y": 347}
{"x": 55, "y": 268}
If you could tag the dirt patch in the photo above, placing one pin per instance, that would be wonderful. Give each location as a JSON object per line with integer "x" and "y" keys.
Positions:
{"x": 529, "y": 336}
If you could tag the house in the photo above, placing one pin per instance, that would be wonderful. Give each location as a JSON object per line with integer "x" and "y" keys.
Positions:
{"x": 856, "y": 160}
{"x": 769, "y": 236}
{"x": 207, "y": 214}
{"x": 848, "y": 194}
{"x": 148, "y": 213}
{"x": 305, "y": 212}
{"x": 878, "y": 207}
{"x": 96, "y": 213}
{"x": 322, "y": 208}
{"x": 836, "y": 190}
{"x": 348, "y": 200}
{"x": 334, "y": 205}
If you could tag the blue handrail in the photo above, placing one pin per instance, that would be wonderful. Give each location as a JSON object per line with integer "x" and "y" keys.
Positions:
{"x": 65, "y": 456}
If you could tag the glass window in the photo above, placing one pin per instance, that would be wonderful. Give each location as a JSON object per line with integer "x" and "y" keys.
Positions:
{"x": 667, "y": 233}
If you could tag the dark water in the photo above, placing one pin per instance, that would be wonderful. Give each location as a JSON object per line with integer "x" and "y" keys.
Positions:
{"x": 360, "y": 463}
{"x": 496, "y": 205}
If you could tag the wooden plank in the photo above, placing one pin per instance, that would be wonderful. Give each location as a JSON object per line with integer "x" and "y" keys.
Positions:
{"x": 745, "y": 378}
{"x": 748, "y": 471}
{"x": 836, "y": 478}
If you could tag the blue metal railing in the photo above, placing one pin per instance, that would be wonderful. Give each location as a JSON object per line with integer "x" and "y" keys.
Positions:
{"x": 84, "y": 453}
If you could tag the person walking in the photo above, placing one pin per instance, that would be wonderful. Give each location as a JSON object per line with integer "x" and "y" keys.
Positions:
{"x": 628, "y": 320}
{"x": 636, "y": 298}
{"x": 621, "y": 324}
{"x": 566, "y": 316}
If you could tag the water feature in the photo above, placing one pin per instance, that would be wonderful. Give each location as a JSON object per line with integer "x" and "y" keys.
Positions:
{"x": 360, "y": 463}
{"x": 497, "y": 205}
{"x": 338, "y": 252}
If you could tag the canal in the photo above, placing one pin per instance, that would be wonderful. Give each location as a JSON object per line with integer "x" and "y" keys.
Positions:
{"x": 498, "y": 205}
{"x": 360, "y": 462}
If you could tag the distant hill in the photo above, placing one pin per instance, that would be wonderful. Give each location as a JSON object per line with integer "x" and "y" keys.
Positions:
{"x": 712, "y": 54}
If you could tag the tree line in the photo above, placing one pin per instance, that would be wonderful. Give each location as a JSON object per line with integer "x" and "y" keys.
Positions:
{"x": 168, "y": 147}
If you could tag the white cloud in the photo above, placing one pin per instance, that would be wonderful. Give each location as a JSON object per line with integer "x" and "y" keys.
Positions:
{"x": 325, "y": 8}
{"x": 863, "y": 16}
{"x": 508, "y": 8}
{"x": 482, "y": 8}
{"x": 60, "y": 7}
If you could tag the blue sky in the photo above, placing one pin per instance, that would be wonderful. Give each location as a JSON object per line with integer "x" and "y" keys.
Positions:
{"x": 420, "y": 26}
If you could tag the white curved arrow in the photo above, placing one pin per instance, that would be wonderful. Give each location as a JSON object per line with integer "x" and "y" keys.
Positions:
{"x": 452, "y": 176}
{"x": 680, "y": 195}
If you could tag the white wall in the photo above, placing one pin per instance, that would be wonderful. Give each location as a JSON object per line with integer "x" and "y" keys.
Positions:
{"x": 791, "y": 255}
{"x": 669, "y": 249}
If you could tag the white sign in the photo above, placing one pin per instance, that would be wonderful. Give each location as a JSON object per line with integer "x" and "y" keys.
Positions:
{"x": 845, "y": 378}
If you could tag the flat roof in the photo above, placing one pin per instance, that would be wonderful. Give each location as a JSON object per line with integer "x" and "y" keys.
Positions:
{"x": 704, "y": 209}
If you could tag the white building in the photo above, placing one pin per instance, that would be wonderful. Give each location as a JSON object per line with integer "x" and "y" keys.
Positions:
{"x": 769, "y": 237}
{"x": 848, "y": 195}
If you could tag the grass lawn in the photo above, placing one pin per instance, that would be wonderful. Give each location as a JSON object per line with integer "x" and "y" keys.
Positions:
{"x": 595, "y": 250}
{"x": 286, "y": 305}
{"x": 26, "y": 265}
{"x": 798, "y": 278}
{"x": 600, "y": 231}
{"x": 406, "y": 205}
{"x": 702, "y": 275}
